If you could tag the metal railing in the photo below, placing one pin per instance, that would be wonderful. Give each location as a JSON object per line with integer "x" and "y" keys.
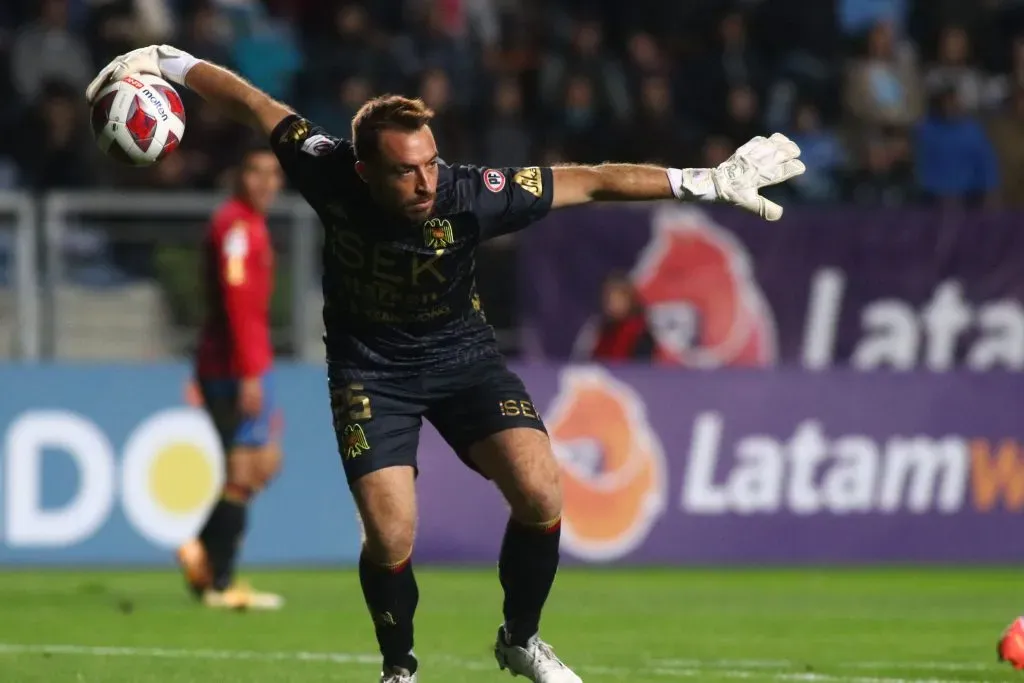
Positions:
{"x": 58, "y": 314}
{"x": 21, "y": 208}
{"x": 60, "y": 208}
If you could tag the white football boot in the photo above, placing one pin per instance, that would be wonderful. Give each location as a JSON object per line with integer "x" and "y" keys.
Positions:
{"x": 241, "y": 596}
{"x": 397, "y": 675}
{"x": 536, "y": 661}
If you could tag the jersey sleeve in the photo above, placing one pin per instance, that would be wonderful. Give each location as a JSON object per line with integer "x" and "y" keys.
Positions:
{"x": 236, "y": 253}
{"x": 509, "y": 199}
{"x": 311, "y": 157}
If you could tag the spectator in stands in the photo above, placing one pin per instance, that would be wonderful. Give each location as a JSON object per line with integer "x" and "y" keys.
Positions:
{"x": 266, "y": 51}
{"x": 955, "y": 70}
{"x": 1006, "y": 131}
{"x": 884, "y": 177}
{"x": 349, "y": 46}
{"x": 597, "y": 86}
{"x": 427, "y": 46}
{"x": 117, "y": 26}
{"x": 507, "y": 140}
{"x": 954, "y": 160}
{"x": 473, "y": 22}
{"x": 658, "y": 134}
{"x": 822, "y": 153}
{"x": 55, "y": 148}
{"x": 518, "y": 51}
{"x": 716, "y": 149}
{"x": 586, "y": 61}
{"x": 742, "y": 119}
{"x": 335, "y": 113}
{"x": 621, "y": 333}
{"x": 580, "y": 128}
{"x": 858, "y": 16}
{"x": 210, "y": 144}
{"x": 731, "y": 66}
{"x": 207, "y": 34}
{"x": 47, "y": 51}
{"x": 883, "y": 87}
{"x": 645, "y": 58}
{"x": 447, "y": 125}
{"x": 736, "y": 60}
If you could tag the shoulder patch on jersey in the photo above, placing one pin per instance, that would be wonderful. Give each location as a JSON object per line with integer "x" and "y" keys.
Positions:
{"x": 236, "y": 242}
{"x": 318, "y": 145}
{"x": 531, "y": 180}
{"x": 494, "y": 180}
{"x": 298, "y": 130}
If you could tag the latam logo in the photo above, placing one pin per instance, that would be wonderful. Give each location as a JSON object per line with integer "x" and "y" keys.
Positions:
{"x": 620, "y": 481}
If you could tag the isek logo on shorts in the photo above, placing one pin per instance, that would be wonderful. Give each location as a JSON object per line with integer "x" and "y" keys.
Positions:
{"x": 614, "y": 472}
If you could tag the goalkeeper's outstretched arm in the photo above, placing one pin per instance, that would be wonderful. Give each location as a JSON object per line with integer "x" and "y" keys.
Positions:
{"x": 609, "y": 182}
{"x": 759, "y": 163}
{"x": 228, "y": 93}
{"x": 234, "y": 97}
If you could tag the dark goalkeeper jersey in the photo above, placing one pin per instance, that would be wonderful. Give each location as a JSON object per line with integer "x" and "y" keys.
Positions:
{"x": 400, "y": 297}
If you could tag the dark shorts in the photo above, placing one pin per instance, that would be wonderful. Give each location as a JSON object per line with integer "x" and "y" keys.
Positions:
{"x": 220, "y": 399}
{"x": 377, "y": 421}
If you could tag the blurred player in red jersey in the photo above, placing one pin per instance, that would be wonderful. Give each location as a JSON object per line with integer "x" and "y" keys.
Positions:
{"x": 233, "y": 366}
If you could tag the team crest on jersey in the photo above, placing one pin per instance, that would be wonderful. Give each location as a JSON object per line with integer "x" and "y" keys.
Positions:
{"x": 354, "y": 441}
{"x": 437, "y": 233}
{"x": 530, "y": 180}
{"x": 494, "y": 180}
{"x": 299, "y": 130}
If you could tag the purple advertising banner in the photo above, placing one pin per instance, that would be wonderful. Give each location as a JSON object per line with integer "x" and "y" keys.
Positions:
{"x": 669, "y": 466}
{"x": 906, "y": 289}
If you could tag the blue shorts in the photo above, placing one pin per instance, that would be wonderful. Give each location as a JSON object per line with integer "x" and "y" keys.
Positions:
{"x": 220, "y": 398}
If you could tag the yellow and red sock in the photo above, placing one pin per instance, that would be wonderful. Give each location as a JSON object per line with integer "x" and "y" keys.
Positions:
{"x": 391, "y": 595}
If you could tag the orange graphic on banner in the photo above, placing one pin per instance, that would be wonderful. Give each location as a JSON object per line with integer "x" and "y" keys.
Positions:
{"x": 613, "y": 468}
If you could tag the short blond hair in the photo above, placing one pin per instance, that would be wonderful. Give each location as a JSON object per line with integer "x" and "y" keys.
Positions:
{"x": 387, "y": 112}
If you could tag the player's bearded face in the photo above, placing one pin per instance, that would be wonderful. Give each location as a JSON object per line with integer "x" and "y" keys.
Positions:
{"x": 404, "y": 178}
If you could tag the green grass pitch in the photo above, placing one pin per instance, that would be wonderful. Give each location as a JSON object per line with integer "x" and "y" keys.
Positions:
{"x": 831, "y": 626}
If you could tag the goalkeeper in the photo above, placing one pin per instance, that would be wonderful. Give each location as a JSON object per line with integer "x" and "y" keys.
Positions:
{"x": 406, "y": 335}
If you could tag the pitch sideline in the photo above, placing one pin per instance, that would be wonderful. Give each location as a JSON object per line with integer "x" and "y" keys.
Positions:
{"x": 669, "y": 668}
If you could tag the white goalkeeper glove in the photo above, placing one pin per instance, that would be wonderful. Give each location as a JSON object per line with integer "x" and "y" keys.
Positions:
{"x": 737, "y": 180}
{"x": 159, "y": 60}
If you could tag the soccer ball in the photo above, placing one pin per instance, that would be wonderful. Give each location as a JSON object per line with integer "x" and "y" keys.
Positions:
{"x": 138, "y": 120}
{"x": 1011, "y": 645}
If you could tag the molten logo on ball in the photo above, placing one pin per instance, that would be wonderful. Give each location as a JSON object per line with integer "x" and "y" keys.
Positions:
{"x": 138, "y": 120}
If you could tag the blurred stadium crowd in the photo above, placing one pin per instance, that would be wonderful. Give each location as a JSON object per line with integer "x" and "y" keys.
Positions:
{"x": 893, "y": 101}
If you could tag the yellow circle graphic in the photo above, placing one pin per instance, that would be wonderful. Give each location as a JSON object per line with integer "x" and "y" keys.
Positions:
{"x": 171, "y": 470}
{"x": 180, "y": 477}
